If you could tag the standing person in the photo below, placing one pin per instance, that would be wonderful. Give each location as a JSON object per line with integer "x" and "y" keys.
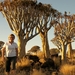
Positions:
{"x": 10, "y": 54}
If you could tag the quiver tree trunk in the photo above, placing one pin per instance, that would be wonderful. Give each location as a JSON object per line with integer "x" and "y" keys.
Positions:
{"x": 69, "y": 49}
{"x": 63, "y": 56}
{"x": 45, "y": 45}
{"x": 21, "y": 47}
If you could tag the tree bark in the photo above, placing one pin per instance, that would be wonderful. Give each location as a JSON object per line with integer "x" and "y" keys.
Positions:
{"x": 69, "y": 49}
{"x": 63, "y": 57}
{"x": 45, "y": 45}
{"x": 21, "y": 47}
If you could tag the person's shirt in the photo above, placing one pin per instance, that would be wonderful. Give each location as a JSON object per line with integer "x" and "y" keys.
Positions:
{"x": 10, "y": 49}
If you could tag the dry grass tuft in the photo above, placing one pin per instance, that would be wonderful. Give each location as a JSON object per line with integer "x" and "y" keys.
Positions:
{"x": 67, "y": 69}
{"x": 23, "y": 62}
{"x": 38, "y": 72}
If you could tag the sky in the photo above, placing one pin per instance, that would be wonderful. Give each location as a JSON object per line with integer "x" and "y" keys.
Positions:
{"x": 60, "y": 5}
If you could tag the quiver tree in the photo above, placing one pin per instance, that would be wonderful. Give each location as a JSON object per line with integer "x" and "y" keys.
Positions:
{"x": 47, "y": 21}
{"x": 61, "y": 45}
{"x": 70, "y": 33}
{"x": 23, "y": 17}
{"x": 65, "y": 29}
